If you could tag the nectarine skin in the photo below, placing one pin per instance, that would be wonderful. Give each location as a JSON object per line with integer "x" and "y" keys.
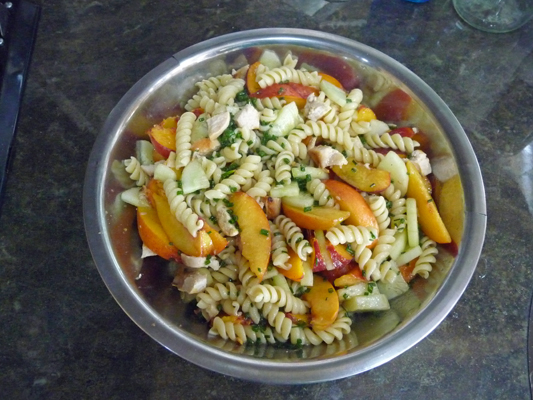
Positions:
{"x": 370, "y": 180}
{"x": 318, "y": 218}
{"x": 324, "y": 303}
{"x": 351, "y": 200}
{"x": 428, "y": 214}
{"x": 256, "y": 238}
{"x": 152, "y": 234}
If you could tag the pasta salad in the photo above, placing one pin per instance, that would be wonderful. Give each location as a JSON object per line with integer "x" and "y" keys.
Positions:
{"x": 286, "y": 202}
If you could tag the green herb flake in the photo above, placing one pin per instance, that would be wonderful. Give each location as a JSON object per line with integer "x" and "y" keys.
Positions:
{"x": 307, "y": 209}
{"x": 264, "y": 232}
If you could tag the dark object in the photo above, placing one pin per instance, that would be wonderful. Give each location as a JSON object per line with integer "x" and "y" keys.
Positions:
{"x": 18, "y": 26}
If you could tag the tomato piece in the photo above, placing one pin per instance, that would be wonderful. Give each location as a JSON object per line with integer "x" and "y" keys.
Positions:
{"x": 393, "y": 107}
{"x": 334, "y": 66}
{"x": 285, "y": 90}
{"x": 404, "y": 131}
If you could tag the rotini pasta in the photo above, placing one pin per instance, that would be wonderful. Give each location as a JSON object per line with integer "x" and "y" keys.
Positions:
{"x": 294, "y": 236}
{"x": 133, "y": 167}
{"x": 288, "y": 74}
{"x": 351, "y": 234}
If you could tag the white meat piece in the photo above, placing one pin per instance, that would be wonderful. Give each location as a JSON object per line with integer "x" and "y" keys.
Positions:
{"x": 217, "y": 124}
{"x": 272, "y": 207}
{"x": 223, "y": 219}
{"x": 443, "y": 168}
{"x": 248, "y": 118}
{"x": 326, "y": 156}
{"x": 200, "y": 262}
{"x": 314, "y": 109}
{"x": 190, "y": 281}
{"x": 418, "y": 157}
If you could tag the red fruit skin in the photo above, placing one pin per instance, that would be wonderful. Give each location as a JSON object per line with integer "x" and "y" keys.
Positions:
{"x": 334, "y": 66}
{"x": 393, "y": 106}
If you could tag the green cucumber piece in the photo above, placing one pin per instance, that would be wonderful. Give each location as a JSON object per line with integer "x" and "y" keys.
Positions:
{"x": 193, "y": 177}
{"x": 334, "y": 93}
{"x": 290, "y": 190}
{"x": 370, "y": 303}
{"x": 314, "y": 172}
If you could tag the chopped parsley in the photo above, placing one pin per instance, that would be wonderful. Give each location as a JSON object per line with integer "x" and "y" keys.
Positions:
{"x": 264, "y": 232}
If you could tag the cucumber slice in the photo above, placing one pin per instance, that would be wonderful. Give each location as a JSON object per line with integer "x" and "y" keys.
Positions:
{"x": 193, "y": 177}
{"x": 199, "y": 128}
{"x": 412, "y": 222}
{"x": 372, "y": 302}
{"x": 270, "y": 59}
{"x": 406, "y": 305}
{"x": 290, "y": 190}
{"x": 303, "y": 200}
{"x": 145, "y": 152}
{"x": 397, "y": 169}
{"x": 286, "y": 120}
{"x": 370, "y": 328}
{"x": 399, "y": 245}
{"x": 132, "y": 196}
{"x": 335, "y": 94}
{"x": 347, "y": 292}
{"x": 314, "y": 172}
{"x": 280, "y": 281}
{"x": 409, "y": 255}
{"x": 162, "y": 173}
{"x": 395, "y": 288}
{"x": 307, "y": 280}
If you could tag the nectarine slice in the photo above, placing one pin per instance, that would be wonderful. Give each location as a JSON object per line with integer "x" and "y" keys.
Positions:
{"x": 255, "y": 233}
{"x": 199, "y": 246}
{"x": 451, "y": 206}
{"x": 323, "y": 301}
{"x": 319, "y": 218}
{"x": 152, "y": 234}
{"x": 366, "y": 179}
{"x": 296, "y": 270}
{"x": 163, "y": 139}
{"x": 428, "y": 214}
{"x": 351, "y": 200}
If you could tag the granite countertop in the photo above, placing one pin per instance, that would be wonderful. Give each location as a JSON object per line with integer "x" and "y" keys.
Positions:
{"x": 62, "y": 334}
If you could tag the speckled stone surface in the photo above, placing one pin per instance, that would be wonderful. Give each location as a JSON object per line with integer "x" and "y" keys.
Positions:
{"x": 63, "y": 336}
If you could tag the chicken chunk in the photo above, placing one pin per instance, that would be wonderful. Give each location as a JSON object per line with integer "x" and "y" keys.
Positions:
{"x": 217, "y": 124}
{"x": 326, "y": 156}
{"x": 420, "y": 159}
{"x": 314, "y": 109}
{"x": 224, "y": 218}
{"x": 248, "y": 118}
{"x": 200, "y": 262}
{"x": 190, "y": 281}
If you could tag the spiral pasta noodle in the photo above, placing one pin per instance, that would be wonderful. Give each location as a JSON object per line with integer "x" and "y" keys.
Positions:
{"x": 278, "y": 296}
{"x": 294, "y": 236}
{"x": 133, "y": 167}
{"x": 336, "y": 331}
{"x": 180, "y": 209}
{"x": 280, "y": 254}
{"x": 273, "y": 103}
{"x": 349, "y": 110}
{"x": 351, "y": 234}
{"x": 395, "y": 141}
{"x": 326, "y": 131}
{"x": 283, "y": 167}
{"x": 235, "y": 181}
{"x": 288, "y": 74}
{"x": 378, "y": 205}
{"x": 183, "y": 139}
{"x": 241, "y": 333}
{"x": 423, "y": 264}
{"x": 320, "y": 193}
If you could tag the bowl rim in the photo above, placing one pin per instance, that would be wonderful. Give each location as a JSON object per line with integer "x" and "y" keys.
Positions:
{"x": 290, "y": 372}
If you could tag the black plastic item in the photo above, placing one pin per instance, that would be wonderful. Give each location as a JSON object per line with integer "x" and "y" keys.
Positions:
{"x": 18, "y": 27}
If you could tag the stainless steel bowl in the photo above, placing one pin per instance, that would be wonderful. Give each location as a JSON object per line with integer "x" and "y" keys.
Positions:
{"x": 143, "y": 289}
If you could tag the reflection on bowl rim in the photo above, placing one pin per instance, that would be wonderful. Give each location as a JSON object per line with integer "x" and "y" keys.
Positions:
{"x": 314, "y": 370}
